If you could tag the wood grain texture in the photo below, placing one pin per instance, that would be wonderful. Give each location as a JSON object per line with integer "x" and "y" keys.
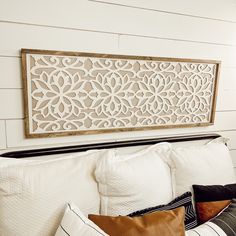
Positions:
{"x": 25, "y": 51}
{"x": 213, "y": 111}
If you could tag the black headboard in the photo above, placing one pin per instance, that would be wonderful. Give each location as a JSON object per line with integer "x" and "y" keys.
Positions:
{"x": 128, "y": 143}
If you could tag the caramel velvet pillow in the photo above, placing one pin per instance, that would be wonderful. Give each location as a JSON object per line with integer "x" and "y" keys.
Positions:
{"x": 164, "y": 223}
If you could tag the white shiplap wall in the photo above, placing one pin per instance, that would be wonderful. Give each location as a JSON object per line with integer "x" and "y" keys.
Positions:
{"x": 204, "y": 29}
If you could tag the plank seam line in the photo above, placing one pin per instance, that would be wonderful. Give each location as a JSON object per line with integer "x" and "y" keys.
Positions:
{"x": 163, "y": 11}
{"x": 10, "y": 56}
{"x": 11, "y": 88}
{"x": 5, "y": 129}
{"x": 222, "y": 66}
{"x": 226, "y": 111}
{"x": 202, "y": 131}
{"x": 117, "y": 33}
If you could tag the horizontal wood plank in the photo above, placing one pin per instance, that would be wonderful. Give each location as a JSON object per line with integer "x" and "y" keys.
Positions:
{"x": 226, "y": 100}
{"x": 11, "y": 103}
{"x": 172, "y": 48}
{"x": 224, "y": 121}
{"x": 233, "y": 155}
{"x": 219, "y": 9}
{"x": 87, "y": 15}
{"x": 227, "y": 78}
{"x": 2, "y": 135}
{"x": 27, "y": 36}
{"x": 10, "y": 72}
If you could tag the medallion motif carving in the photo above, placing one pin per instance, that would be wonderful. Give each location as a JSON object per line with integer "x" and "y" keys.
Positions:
{"x": 93, "y": 92}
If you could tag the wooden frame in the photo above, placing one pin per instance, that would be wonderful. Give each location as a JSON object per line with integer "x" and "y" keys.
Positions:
{"x": 34, "y": 56}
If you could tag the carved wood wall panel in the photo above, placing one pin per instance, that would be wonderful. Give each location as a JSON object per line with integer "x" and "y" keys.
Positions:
{"x": 69, "y": 93}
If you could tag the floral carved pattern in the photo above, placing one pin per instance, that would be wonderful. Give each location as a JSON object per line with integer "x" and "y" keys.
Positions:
{"x": 89, "y": 93}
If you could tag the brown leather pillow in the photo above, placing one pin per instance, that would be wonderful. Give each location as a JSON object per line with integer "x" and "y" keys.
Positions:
{"x": 208, "y": 210}
{"x": 164, "y": 223}
{"x": 212, "y": 199}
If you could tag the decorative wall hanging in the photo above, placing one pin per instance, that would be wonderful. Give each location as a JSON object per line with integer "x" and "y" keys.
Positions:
{"x": 82, "y": 93}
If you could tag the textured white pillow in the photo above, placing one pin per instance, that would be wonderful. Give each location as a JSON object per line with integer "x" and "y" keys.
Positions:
{"x": 74, "y": 223}
{"x": 33, "y": 195}
{"x": 131, "y": 182}
{"x": 9, "y": 161}
{"x": 4, "y": 161}
{"x": 206, "y": 164}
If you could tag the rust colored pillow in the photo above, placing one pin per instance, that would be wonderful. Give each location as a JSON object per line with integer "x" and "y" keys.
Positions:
{"x": 164, "y": 223}
{"x": 208, "y": 210}
{"x": 212, "y": 199}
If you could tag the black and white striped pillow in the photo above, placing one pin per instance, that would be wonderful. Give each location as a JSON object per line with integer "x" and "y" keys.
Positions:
{"x": 75, "y": 223}
{"x": 222, "y": 225}
{"x": 183, "y": 200}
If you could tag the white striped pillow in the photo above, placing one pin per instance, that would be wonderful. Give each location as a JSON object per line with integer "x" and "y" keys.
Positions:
{"x": 207, "y": 229}
{"x": 74, "y": 223}
{"x": 222, "y": 225}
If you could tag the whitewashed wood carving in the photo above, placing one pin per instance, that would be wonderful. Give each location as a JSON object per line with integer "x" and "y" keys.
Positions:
{"x": 71, "y": 93}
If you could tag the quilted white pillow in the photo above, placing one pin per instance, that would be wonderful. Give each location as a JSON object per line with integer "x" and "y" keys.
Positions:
{"x": 33, "y": 195}
{"x": 206, "y": 164}
{"x": 74, "y": 223}
{"x": 131, "y": 182}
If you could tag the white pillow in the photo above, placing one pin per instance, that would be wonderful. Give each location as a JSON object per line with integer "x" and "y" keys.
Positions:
{"x": 131, "y": 182}
{"x": 74, "y": 223}
{"x": 4, "y": 161}
{"x": 221, "y": 225}
{"x": 206, "y": 164}
{"x": 7, "y": 161}
{"x": 33, "y": 195}
{"x": 206, "y": 229}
